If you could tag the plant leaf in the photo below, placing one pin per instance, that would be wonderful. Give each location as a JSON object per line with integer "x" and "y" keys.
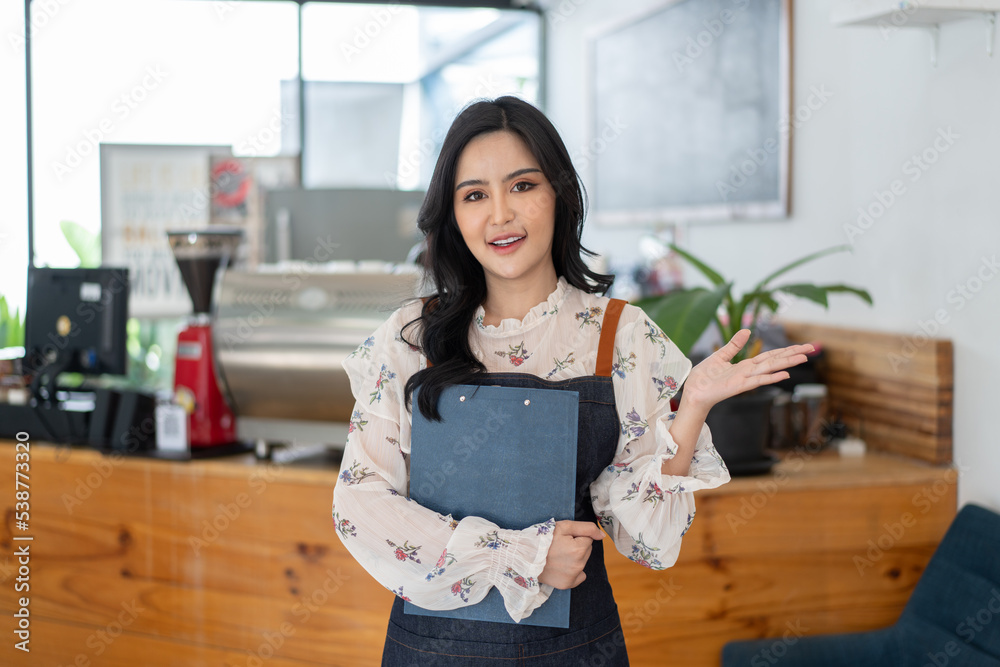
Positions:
{"x": 11, "y": 325}
{"x": 806, "y": 291}
{"x": 820, "y": 293}
{"x": 85, "y": 243}
{"x": 857, "y": 291}
{"x": 685, "y": 314}
{"x": 799, "y": 262}
{"x": 763, "y": 298}
{"x": 708, "y": 271}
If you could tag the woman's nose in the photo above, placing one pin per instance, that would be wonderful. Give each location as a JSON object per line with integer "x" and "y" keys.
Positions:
{"x": 502, "y": 211}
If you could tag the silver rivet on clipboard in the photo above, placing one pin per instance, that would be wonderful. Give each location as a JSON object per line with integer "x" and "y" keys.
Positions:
{"x": 527, "y": 401}
{"x": 461, "y": 398}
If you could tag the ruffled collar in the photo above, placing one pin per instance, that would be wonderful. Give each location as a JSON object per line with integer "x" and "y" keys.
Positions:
{"x": 537, "y": 314}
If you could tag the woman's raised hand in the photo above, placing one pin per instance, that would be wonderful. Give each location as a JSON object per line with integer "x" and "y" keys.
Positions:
{"x": 572, "y": 542}
{"x": 717, "y": 378}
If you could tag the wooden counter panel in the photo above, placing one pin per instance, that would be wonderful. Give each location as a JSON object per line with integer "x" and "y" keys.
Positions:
{"x": 154, "y": 522}
{"x": 58, "y": 644}
{"x": 793, "y": 561}
{"x": 341, "y": 626}
{"x": 130, "y": 538}
{"x": 798, "y": 521}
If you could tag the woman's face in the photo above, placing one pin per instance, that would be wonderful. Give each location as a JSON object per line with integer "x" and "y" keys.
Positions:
{"x": 505, "y": 208}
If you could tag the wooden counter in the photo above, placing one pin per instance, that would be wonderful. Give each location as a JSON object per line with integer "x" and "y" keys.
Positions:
{"x": 234, "y": 562}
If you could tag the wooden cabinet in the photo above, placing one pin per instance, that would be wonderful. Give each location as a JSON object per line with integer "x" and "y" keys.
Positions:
{"x": 235, "y": 562}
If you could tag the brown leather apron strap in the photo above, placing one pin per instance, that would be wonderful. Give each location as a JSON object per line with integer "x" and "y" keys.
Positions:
{"x": 606, "y": 345}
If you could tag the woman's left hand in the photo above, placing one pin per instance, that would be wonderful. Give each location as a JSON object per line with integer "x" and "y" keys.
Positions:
{"x": 717, "y": 378}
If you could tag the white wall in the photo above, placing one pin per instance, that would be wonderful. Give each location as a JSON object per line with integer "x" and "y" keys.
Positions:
{"x": 887, "y": 103}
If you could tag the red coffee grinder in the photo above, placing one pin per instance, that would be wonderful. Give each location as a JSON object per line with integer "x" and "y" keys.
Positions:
{"x": 200, "y": 254}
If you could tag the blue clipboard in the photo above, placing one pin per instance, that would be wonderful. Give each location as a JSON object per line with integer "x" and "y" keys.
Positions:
{"x": 505, "y": 454}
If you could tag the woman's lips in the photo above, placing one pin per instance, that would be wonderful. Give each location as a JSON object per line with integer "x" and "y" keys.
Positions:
{"x": 508, "y": 248}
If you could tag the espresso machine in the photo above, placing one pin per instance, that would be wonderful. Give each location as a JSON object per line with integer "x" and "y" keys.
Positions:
{"x": 197, "y": 386}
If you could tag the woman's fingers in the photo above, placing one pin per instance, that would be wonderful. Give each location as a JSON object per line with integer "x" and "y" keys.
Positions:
{"x": 572, "y": 543}
{"x": 735, "y": 344}
{"x": 786, "y": 357}
{"x": 803, "y": 349}
{"x": 580, "y": 529}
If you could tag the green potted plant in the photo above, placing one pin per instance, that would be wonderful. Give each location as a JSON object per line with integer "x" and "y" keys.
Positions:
{"x": 740, "y": 425}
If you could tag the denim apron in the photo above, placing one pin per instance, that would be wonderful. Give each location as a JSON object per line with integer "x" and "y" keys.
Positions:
{"x": 594, "y": 636}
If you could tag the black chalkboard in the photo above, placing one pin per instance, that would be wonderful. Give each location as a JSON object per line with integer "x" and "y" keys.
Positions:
{"x": 689, "y": 112}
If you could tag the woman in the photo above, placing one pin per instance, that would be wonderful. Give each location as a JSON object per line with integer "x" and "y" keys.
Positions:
{"x": 517, "y": 306}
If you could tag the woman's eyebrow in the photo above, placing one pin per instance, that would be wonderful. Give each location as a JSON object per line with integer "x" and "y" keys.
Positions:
{"x": 511, "y": 176}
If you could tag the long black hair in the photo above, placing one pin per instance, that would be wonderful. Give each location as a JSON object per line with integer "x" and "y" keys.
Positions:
{"x": 446, "y": 316}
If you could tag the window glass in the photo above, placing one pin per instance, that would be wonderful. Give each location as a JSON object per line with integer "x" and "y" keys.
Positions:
{"x": 13, "y": 176}
{"x": 383, "y": 83}
{"x": 148, "y": 72}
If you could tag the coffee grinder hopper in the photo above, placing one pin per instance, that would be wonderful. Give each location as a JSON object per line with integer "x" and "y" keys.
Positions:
{"x": 199, "y": 254}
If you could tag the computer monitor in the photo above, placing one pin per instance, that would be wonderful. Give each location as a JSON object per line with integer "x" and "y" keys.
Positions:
{"x": 75, "y": 322}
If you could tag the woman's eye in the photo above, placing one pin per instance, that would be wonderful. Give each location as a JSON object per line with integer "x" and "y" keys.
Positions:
{"x": 475, "y": 195}
{"x": 523, "y": 186}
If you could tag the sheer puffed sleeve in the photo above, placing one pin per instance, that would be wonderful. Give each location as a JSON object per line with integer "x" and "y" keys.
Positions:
{"x": 422, "y": 556}
{"x": 645, "y": 512}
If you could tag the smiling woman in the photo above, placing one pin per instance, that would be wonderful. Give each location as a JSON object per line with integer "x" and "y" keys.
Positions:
{"x": 514, "y": 305}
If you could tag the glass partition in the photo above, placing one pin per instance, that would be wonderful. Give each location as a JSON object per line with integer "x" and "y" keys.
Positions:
{"x": 14, "y": 215}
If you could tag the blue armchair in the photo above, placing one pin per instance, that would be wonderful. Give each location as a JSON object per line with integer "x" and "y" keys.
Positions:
{"x": 951, "y": 620}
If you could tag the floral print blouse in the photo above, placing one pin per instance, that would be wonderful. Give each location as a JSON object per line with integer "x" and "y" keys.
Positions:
{"x": 441, "y": 563}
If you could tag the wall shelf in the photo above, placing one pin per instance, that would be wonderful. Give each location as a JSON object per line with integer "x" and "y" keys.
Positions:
{"x": 889, "y": 15}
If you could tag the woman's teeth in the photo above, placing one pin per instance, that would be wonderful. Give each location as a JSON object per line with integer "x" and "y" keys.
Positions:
{"x": 513, "y": 239}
